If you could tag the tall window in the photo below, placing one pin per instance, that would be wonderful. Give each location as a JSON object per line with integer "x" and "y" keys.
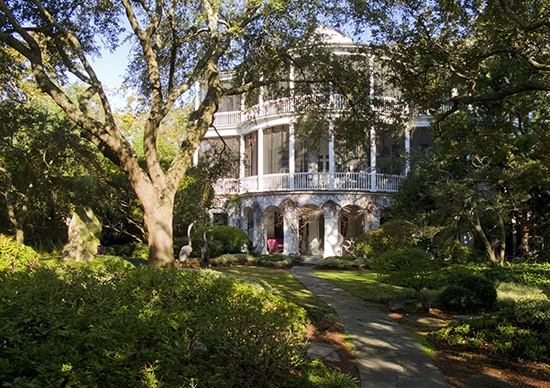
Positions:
{"x": 251, "y": 154}
{"x": 276, "y": 150}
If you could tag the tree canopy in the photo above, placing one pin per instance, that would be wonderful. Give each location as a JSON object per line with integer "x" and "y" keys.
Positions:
{"x": 176, "y": 45}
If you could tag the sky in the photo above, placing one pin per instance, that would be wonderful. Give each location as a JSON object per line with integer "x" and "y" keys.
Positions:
{"x": 110, "y": 70}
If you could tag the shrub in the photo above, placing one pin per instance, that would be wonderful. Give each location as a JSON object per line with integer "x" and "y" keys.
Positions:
{"x": 222, "y": 239}
{"x": 229, "y": 259}
{"x": 345, "y": 262}
{"x": 136, "y": 249}
{"x": 497, "y": 333}
{"x": 134, "y": 326}
{"x": 13, "y": 256}
{"x": 533, "y": 312}
{"x": 277, "y": 260}
{"x": 407, "y": 267}
{"x": 469, "y": 294}
{"x": 529, "y": 274}
{"x": 391, "y": 236}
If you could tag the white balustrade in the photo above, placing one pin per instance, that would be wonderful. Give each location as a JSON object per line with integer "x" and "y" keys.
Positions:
{"x": 273, "y": 182}
{"x": 225, "y": 119}
{"x": 311, "y": 180}
{"x": 268, "y": 108}
{"x": 388, "y": 183}
{"x": 352, "y": 181}
{"x": 343, "y": 181}
{"x": 226, "y": 186}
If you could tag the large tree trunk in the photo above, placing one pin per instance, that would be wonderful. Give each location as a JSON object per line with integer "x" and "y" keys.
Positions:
{"x": 158, "y": 220}
{"x": 476, "y": 222}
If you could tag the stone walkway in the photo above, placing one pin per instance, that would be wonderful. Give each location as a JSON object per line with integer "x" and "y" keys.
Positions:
{"x": 387, "y": 356}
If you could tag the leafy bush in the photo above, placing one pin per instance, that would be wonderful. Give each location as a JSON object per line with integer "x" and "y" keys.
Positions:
{"x": 530, "y": 274}
{"x": 276, "y": 260}
{"x": 135, "y": 249}
{"x": 318, "y": 375}
{"x": 345, "y": 262}
{"x": 221, "y": 239}
{"x": 229, "y": 259}
{"x": 533, "y": 312}
{"x": 13, "y": 256}
{"x": 407, "y": 267}
{"x": 502, "y": 336}
{"x": 468, "y": 294}
{"x": 138, "y": 326}
{"x": 391, "y": 236}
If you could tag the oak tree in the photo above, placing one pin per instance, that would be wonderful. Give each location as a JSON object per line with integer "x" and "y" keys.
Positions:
{"x": 177, "y": 44}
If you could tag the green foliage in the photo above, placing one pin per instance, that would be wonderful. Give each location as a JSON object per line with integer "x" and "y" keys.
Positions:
{"x": 221, "y": 239}
{"x": 276, "y": 260}
{"x": 344, "y": 262}
{"x": 366, "y": 285}
{"x": 137, "y": 250}
{"x": 533, "y": 312}
{"x": 13, "y": 256}
{"x": 318, "y": 375}
{"x": 522, "y": 273}
{"x": 392, "y": 235}
{"x": 501, "y": 334}
{"x": 510, "y": 293}
{"x": 126, "y": 327}
{"x": 407, "y": 267}
{"x": 469, "y": 294}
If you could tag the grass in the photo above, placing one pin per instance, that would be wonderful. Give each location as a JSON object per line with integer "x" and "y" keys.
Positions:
{"x": 365, "y": 285}
{"x": 285, "y": 285}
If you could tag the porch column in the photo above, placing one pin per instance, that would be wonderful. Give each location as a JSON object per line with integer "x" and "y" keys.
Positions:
{"x": 259, "y": 240}
{"x": 331, "y": 155}
{"x": 197, "y": 105}
{"x": 260, "y": 159}
{"x": 331, "y": 233}
{"x": 242, "y": 151}
{"x": 261, "y": 98}
{"x": 291, "y": 160}
{"x": 407, "y": 150}
{"x": 372, "y": 159}
{"x": 291, "y": 228}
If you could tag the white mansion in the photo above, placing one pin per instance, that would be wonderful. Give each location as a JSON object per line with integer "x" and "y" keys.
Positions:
{"x": 296, "y": 199}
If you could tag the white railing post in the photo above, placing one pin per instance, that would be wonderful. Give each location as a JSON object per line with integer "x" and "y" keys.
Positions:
{"x": 242, "y": 151}
{"x": 260, "y": 159}
{"x": 331, "y": 155}
{"x": 373, "y": 159}
{"x": 291, "y": 157}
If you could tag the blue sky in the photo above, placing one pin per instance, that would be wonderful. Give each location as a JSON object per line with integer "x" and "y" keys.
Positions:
{"x": 110, "y": 70}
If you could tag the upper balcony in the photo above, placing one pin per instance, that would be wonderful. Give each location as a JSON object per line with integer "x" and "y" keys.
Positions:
{"x": 310, "y": 181}
{"x": 266, "y": 109}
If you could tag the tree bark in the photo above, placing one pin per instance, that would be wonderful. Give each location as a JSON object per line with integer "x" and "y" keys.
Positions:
{"x": 158, "y": 220}
{"x": 485, "y": 241}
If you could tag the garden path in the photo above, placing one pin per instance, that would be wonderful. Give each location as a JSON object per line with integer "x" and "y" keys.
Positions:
{"x": 387, "y": 356}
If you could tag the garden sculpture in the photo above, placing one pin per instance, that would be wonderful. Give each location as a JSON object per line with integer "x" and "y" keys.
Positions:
{"x": 185, "y": 251}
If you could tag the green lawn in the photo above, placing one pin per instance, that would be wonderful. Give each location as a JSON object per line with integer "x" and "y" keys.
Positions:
{"x": 285, "y": 285}
{"x": 365, "y": 285}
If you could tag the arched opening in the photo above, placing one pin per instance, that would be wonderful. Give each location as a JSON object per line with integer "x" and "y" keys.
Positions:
{"x": 248, "y": 222}
{"x": 312, "y": 230}
{"x": 351, "y": 223}
{"x": 274, "y": 229}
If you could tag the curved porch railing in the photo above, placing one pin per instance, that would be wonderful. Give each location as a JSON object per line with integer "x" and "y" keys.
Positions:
{"x": 310, "y": 181}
